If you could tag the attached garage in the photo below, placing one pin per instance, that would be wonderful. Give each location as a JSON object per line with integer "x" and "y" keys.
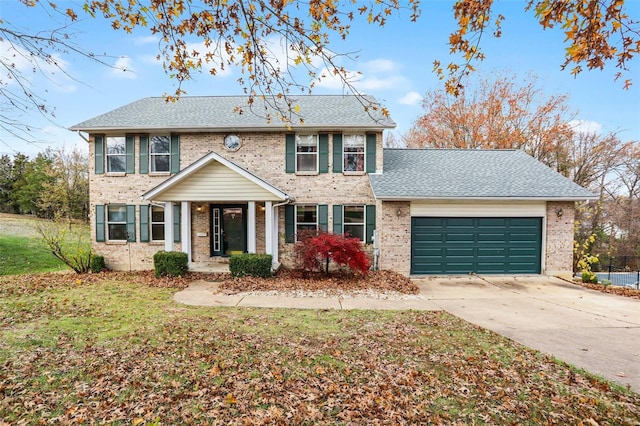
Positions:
{"x": 455, "y": 211}
{"x": 484, "y": 245}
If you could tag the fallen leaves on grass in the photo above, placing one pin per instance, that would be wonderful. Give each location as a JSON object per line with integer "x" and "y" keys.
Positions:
{"x": 37, "y": 283}
{"x": 270, "y": 367}
{"x": 287, "y": 280}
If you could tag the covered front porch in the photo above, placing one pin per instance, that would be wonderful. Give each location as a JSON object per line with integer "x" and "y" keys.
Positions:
{"x": 224, "y": 210}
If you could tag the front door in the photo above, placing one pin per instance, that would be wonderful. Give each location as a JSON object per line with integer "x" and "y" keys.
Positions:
{"x": 228, "y": 229}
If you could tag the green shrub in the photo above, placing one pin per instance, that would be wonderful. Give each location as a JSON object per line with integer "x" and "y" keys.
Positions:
{"x": 589, "y": 277}
{"x": 171, "y": 263}
{"x": 252, "y": 265}
{"x": 96, "y": 264}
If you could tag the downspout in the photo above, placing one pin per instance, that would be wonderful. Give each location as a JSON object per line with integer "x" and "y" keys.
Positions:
{"x": 80, "y": 134}
{"x": 275, "y": 237}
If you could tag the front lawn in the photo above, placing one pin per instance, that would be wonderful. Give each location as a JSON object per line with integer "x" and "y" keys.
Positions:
{"x": 22, "y": 250}
{"x": 115, "y": 348}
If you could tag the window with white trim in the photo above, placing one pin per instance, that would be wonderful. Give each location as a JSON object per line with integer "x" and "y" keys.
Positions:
{"x": 116, "y": 222}
{"x": 157, "y": 223}
{"x": 159, "y": 154}
{"x": 306, "y": 219}
{"x": 115, "y": 150}
{"x": 306, "y": 153}
{"x": 353, "y": 150}
{"x": 353, "y": 222}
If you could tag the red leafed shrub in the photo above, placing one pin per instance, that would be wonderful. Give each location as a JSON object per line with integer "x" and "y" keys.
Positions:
{"x": 314, "y": 251}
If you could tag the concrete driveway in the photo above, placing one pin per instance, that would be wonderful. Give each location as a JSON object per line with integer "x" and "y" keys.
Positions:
{"x": 595, "y": 331}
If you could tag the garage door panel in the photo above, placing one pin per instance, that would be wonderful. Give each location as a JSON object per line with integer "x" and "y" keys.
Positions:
{"x": 482, "y": 245}
{"x": 488, "y": 252}
{"x": 491, "y": 222}
{"x": 496, "y": 237}
{"x": 460, "y": 222}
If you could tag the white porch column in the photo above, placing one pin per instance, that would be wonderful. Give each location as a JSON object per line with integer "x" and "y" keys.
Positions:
{"x": 268, "y": 228}
{"x": 251, "y": 227}
{"x": 168, "y": 226}
{"x": 274, "y": 236}
{"x": 185, "y": 228}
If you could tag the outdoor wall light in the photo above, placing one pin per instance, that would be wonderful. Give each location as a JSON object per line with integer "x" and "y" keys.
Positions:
{"x": 399, "y": 212}
{"x": 559, "y": 212}
{"x": 199, "y": 208}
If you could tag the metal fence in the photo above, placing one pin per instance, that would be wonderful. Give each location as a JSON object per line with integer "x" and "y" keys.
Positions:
{"x": 622, "y": 271}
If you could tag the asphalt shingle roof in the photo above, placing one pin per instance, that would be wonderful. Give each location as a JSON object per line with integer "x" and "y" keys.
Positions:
{"x": 201, "y": 113}
{"x": 465, "y": 173}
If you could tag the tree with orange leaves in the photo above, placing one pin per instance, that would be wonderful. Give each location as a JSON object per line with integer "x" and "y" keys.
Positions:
{"x": 496, "y": 113}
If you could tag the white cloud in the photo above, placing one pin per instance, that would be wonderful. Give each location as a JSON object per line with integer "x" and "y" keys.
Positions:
{"x": 411, "y": 98}
{"x": 586, "y": 126}
{"x": 378, "y": 74}
{"x": 146, "y": 40}
{"x": 380, "y": 66}
{"x": 53, "y": 69}
{"x": 123, "y": 68}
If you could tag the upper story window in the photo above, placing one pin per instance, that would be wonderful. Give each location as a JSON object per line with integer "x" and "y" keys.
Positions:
{"x": 353, "y": 153}
{"x": 160, "y": 154}
{"x": 306, "y": 153}
{"x": 115, "y": 150}
{"x": 117, "y": 222}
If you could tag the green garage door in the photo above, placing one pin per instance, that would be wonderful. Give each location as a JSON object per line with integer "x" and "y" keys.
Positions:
{"x": 485, "y": 245}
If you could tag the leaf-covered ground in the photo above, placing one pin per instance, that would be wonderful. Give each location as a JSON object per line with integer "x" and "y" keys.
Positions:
{"x": 286, "y": 280}
{"x": 612, "y": 289}
{"x": 115, "y": 349}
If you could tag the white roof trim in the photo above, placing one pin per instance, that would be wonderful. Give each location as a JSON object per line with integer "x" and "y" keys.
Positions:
{"x": 409, "y": 198}
{"x": 212, "y": 156}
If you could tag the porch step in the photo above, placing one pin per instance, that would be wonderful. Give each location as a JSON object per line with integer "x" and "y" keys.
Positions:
{"x": 209, "y": 267}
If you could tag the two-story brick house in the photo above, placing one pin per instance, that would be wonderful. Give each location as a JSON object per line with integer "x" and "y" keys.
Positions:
{"x": 201, "y": 177}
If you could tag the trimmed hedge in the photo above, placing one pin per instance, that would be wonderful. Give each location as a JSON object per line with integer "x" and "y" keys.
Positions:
{"x": 171, "y": 263}
{"x": 252, "y": 265}
{"x": 96, "y": 264}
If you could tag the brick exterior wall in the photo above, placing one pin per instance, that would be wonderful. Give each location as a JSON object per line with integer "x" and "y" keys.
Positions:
{"x": 263, "y": 154}
{"x": 394, "y": 234}
{"x": 559, "y": 239}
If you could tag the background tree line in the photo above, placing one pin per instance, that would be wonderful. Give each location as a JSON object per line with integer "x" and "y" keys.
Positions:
{"x": 53, "y": 185}
{"x": 513, "y": 112}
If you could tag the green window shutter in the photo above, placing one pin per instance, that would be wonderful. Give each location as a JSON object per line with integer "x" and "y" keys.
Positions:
{"x": 176, "y": 223}
{"x": 100, "y": 223}
{"x": 130, "y": 156}
{"x": 98, "y": 154}
{"x": 370, "y": 221}
{"x": 131, "y": 223}
{"x": 143, "y": 167}
{"x": 323, "y": 150}
{"x": 337, "y": 153}
{"x": 175, "y": 154}
{"x": 289, "y": 223}
{"x": 144, "y": 223}
{"x": 323, "y": 217}
{"x": 337, "y": 219}
{"x": 290, "y": 156}
{"x": 371, "y": 153}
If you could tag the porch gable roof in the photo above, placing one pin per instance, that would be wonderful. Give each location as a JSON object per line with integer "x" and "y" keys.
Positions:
{"x": 199, "y": 177}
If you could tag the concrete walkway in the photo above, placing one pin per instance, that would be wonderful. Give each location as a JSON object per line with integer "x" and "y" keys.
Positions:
{"x": 591, "y": 330}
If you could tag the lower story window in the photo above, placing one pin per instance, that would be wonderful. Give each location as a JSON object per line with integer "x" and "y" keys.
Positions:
{"x": 354, "y": 221}
{"x": 117, "y": 222}
{"x": 157, "y": 223}
{"x": 306, "y": 219}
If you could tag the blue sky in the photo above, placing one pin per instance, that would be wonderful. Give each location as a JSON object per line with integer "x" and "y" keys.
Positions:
{"x": 396, "y": 63}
